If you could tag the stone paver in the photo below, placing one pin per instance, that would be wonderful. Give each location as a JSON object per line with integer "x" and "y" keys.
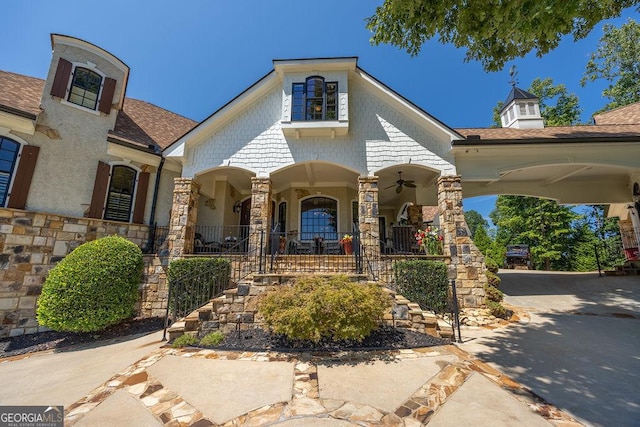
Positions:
{"x": 231, "y": 387}
{"x": 118, "y": 407}
{"x": 194, "y": 387}
{"x": 381, "y": 384}
{"x": 481, "y": 402}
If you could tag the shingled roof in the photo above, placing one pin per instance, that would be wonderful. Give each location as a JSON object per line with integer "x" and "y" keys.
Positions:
{"x": 621, "y": 123}
{"x": 548, "y": 134}
{"x": 140, "y": 123}
{"x": 20, "y": 94}
{"x": 144, "y": 124}
{"x": 627, "y": 115}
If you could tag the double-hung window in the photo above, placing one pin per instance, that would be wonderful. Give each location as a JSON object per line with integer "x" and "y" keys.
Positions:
{"x": 314, "y": 99}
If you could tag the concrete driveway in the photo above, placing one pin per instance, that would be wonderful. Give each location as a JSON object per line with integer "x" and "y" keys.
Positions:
{"x": 579, "y": 350}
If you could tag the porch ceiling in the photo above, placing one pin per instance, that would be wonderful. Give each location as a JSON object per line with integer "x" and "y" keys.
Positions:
{"x": 313, "y": 174}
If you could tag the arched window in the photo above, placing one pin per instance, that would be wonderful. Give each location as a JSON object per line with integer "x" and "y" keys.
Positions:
{"x": 315, "y": 100}
{"x": 85, "y": 88}
{"x": 319, "y": 218}
{"x": 120, "y": 195}
{"x": 8, "y": 155}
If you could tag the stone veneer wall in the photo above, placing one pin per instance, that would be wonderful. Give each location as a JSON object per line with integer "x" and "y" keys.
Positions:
{"x": 467, "y": 266}
{"x": 31, "y": 244}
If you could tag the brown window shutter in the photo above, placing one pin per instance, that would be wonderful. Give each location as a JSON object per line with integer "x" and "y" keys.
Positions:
{"x": 108, "y": 89}
{"x": 24, "y": 173}
{"x": 61, "y": 80}
{"x": 99, "y": 190}
{"x": 141, "y": 198}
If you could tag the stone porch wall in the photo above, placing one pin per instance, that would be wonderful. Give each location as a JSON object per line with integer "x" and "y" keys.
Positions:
{"x": 32, "y": 243}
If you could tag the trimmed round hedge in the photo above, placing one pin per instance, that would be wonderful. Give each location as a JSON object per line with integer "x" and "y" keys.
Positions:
{"x": 93, "y": 287}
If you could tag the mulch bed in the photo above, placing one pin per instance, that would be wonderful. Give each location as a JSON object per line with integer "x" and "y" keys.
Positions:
{"x": 385, "y": 338}
{"x": 250, "y": 340}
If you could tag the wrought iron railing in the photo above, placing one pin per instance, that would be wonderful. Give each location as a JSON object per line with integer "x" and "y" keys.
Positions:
{"x": 193, "y": 290}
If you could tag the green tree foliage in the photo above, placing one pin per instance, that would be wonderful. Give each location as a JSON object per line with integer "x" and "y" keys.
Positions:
{"x": 540, "y": 223}
{"x": 492, "y": 32}
{"x": 595, "y": 231}
{"x": 93, "y": 287}
{"x": 557, "y": 106}
{"x": 474, "y": 221}
{"x": 617, "y": 60}
{"x": 482, "y": 240}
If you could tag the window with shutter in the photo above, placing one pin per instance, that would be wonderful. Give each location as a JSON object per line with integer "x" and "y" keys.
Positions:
{"x": 120, "y": 194}
{"x": 8, "y": 155}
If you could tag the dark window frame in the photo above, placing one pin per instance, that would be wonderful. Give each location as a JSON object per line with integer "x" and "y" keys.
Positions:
{"x": 114, "y": 208}
{"x": 322, "y": 220}
{"x": 84, "y": 90}
{"x": 309, "y": 104}
{"x": 12, "y": 161}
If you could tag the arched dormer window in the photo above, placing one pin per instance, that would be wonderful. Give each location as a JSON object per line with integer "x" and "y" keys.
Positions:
{"x": 314, "y": 99}
{"x": 85, "y": 88}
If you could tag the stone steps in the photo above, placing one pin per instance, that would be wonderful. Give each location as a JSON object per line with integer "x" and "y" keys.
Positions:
{"x": 237, "y": 309}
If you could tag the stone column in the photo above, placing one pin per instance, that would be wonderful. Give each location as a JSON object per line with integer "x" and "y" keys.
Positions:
{"x": 467, "y": 266}
{"x": 368, "y": 220}
{"x": 260, "y": 213}
{"x": 184, "y": 216}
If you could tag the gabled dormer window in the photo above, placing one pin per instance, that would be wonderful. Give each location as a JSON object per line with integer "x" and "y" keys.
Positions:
{"x": 85, "y": 88}
{"x": 83, "y": 85}
{"x": 314, "y": 99}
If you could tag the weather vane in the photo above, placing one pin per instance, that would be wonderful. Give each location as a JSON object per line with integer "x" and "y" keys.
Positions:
{"x": 513, "y": 73}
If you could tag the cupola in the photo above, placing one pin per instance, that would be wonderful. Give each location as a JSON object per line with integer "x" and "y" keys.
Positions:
{"x": 521, "y": 110}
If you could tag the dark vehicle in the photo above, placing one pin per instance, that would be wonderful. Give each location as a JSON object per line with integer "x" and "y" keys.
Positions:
{"x": 518, "y": 257}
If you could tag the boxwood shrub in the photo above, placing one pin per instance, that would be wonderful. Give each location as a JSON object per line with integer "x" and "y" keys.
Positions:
{"x": 424, "y": 282}
{"x": 93, "y": 287}
{"x": 317, "y": 308}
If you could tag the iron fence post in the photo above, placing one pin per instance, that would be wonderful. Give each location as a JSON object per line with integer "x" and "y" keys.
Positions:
{"x": 595, "y": 248}
{"x": 456, "y": 314}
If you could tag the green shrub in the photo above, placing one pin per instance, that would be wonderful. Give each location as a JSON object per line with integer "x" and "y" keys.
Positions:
{"x": 197, "y": 280}
{"x": 493, "y": 279}
{"x": 184, "y": 341}
{"x": 498, "y": 310}
{"x": 423, "y": 282}
{"x": 492, "y": 265}
{"x": 316, "y": 308}
{"x": 493, "y": 294}
{"x": 93, "y": 287}
{"x": 211, "y": 339}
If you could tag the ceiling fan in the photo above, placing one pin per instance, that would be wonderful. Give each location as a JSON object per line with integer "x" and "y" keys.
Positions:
{"x": 401, "y": 183}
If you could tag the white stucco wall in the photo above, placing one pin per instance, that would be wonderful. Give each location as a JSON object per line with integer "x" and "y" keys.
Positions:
{"x": 379, "y": 136}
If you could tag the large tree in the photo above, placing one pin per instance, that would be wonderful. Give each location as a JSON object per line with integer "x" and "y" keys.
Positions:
{"x": 492, "y": 31}
{"x": 558, "y": 107}
{"x": 617, "y": 60}
{"x": 540, "y": 223}
{"x": 475, "y": 220}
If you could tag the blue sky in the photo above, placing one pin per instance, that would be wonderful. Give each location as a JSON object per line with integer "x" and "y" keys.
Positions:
{"x": 191, "y": 57}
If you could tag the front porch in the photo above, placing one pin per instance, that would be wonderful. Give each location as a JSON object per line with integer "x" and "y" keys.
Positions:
{"x": 316, "y": 244}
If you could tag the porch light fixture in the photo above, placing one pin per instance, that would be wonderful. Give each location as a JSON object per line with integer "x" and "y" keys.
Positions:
{"x": 237, "y": 207}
